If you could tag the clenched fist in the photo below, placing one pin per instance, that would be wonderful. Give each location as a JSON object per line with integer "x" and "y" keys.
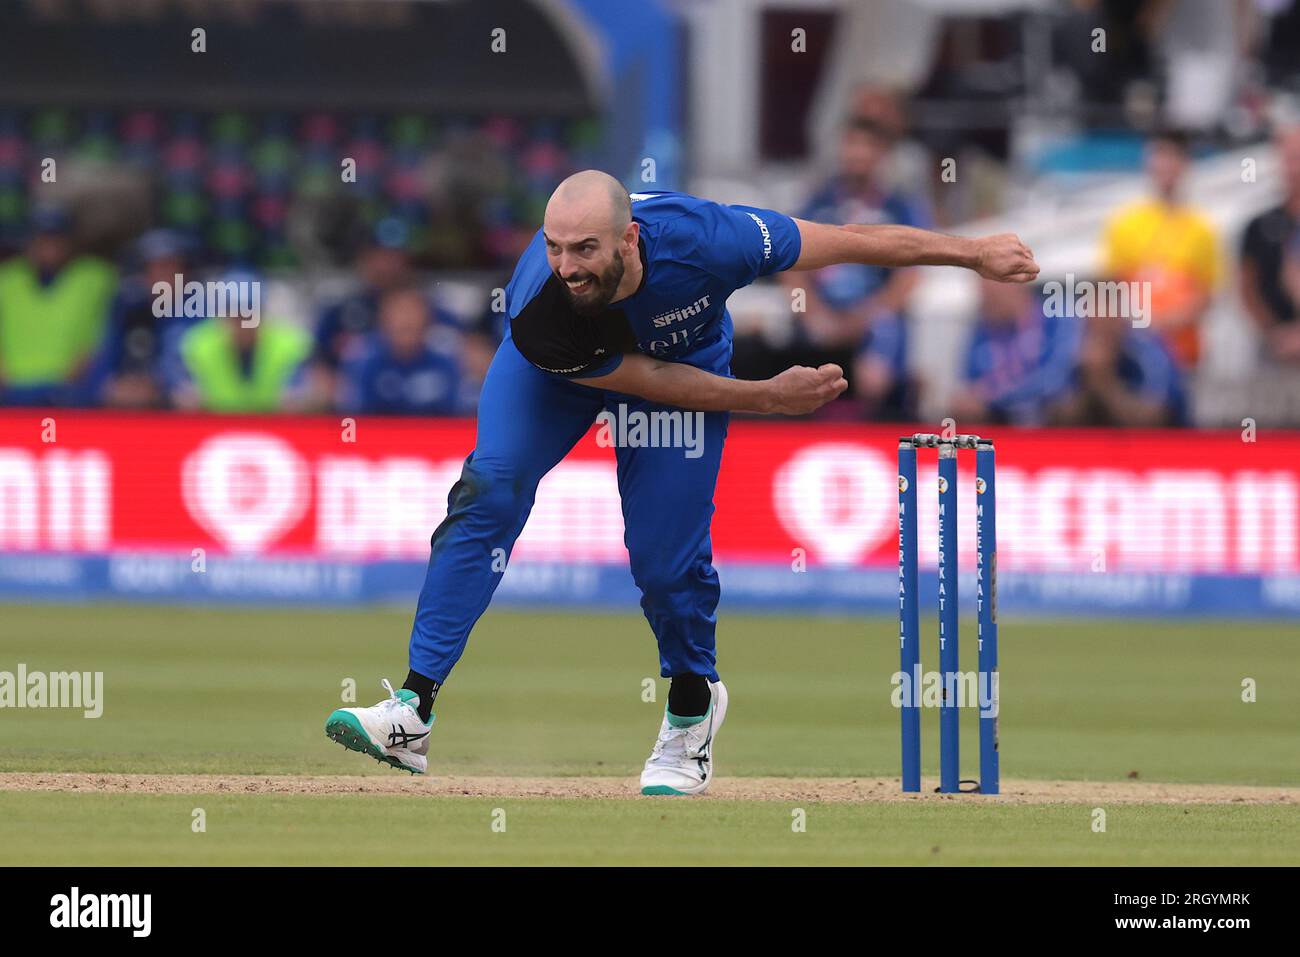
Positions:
{"x": 800, "y": 389}
{"x": 1005, "y": 258}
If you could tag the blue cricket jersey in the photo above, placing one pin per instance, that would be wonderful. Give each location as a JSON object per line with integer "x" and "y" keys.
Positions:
{"x": 694, "y": 254}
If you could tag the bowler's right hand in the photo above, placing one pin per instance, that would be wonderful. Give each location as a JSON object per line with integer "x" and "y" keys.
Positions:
{"x": 801, "y": 389}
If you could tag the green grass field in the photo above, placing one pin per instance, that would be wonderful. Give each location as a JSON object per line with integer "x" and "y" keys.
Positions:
{"x": 246, "y": 692}
{"x": 62, "y": 828}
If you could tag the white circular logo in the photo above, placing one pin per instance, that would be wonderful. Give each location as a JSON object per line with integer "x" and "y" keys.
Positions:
{"x": 902, "y": 483}
{"x": 245, "y": 488}
{"x": 831, "y": 496}
{"x": 980, "y": 486}
{"x": 943, "y": 485}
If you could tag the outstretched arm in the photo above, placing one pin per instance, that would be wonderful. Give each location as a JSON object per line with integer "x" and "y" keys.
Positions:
{"x": 795, "y": 391}
{"x": 1003, "y": 257}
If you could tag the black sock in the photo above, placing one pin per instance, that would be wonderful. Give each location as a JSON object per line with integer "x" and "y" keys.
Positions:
{"x": 689, "y": 696}
{"x": 426, "y": 688}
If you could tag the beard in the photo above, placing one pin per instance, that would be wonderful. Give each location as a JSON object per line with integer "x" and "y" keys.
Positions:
{"x": 599, "y": 291}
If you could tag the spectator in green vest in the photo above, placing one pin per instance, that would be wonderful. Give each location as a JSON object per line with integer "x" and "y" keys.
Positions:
{"x": 53, "y": 314}
{"x": 240, "y": 365}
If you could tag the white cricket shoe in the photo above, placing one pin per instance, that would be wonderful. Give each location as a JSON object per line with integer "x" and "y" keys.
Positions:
{"x": 391, "y": 732}
{"x": 682, "y": 759}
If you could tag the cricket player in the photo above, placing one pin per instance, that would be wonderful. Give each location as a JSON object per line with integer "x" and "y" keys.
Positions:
{"x": 623, "y": 300}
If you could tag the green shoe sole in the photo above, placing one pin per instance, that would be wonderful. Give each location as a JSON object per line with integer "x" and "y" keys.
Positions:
{"x": 662, "y": 789}
{"x": 347, "y": 731}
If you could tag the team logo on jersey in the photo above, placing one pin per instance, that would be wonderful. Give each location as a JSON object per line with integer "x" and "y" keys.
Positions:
{"x": 683, "y": 312}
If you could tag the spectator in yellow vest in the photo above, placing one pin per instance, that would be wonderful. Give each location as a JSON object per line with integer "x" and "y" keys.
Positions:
{"x": 1169, "y": 244}
{"x": 53, "y": 314}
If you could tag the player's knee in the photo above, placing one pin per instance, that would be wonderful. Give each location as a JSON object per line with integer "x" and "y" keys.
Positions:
{"x": 494, "y": 492}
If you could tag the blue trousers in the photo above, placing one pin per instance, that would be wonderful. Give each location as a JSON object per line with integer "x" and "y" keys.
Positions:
{"x": 528, "y": 420}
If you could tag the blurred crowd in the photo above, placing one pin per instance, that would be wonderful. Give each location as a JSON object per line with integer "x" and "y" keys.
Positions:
{"x": 77, "y": 329}
{"x": 143, "y": 198}
{"x": 1029, "y": 358}
{"x": 244, "y": 198}
{"x": 73, "y": 332}
{"x": 285, "y": 190}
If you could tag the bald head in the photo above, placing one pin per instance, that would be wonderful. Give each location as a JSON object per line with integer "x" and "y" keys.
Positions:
{"x": 591, "y": 239}
{"x": 592, "y": 198}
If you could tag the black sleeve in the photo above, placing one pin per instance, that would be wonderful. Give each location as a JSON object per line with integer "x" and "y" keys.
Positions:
{"x": 555, "y": 339}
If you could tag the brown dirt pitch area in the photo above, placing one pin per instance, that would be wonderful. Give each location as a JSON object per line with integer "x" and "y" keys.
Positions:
{"x": 831, "y": 790}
